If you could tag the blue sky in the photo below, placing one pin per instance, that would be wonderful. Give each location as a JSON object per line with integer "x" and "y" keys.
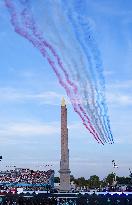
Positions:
{"x": 30, "y": 97}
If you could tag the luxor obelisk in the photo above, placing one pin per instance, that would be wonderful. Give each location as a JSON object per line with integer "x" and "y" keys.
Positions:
{"x": 64, "y": 162}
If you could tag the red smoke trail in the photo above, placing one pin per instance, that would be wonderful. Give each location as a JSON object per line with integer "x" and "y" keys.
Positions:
{"x": 89, "y": 122}
{"x": 73, "y": 101}
{"x": 93, "y": 132}
{"x": 31, "y": 24}
{"x": 39, "y": 45}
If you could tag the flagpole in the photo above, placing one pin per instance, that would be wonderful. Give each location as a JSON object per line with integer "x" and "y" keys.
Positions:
{"x": 115, "y": 175}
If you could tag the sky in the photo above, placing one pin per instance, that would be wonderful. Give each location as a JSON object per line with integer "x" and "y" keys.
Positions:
{"x": 30, "y": 95}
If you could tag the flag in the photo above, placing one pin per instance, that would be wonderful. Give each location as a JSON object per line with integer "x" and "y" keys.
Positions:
{"x": 114, "y": 164}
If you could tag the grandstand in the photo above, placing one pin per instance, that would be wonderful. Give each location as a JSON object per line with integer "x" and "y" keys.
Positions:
{"x": 26, "y": 178}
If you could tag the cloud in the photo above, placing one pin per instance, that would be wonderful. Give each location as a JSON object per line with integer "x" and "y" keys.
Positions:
{"x": 119, "y": 99}
{"x": 33, "y": 128}
{"x": 119, "y": 93}
{"x": 120, "y": 85}
{"x": 83, "y": 160}
{"x": 75, "y": 126}
{"x": 29, "y": 129}
{"x": 111, "y": 8}
{"x": 13, "y": 95}
{"x": 107, "y": 73}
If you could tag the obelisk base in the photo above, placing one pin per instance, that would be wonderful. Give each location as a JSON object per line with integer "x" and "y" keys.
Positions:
{"x": 65, "y": 180}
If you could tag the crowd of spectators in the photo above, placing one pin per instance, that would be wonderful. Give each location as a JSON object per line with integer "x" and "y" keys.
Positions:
{"x": 79, "y": 200}
{"x": 22, "y": 177}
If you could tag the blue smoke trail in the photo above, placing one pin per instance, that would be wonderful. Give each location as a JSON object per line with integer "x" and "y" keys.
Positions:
{"x": 42, "y": 45}
{"x": 90, "y": 62}
{"x": 93, "y": 114}
{"x": 95, "y": 122}
{"x": 97, "y": 59}
{"x": 94, "y": 118}
{"x": 80, "y": 26}
{"x": 92, "y": 109}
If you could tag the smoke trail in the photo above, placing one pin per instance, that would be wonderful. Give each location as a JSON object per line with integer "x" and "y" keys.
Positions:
{"x": 95, "y": 124}
{"x": 96, "y": 55}
{"x": 44, "y": 53}
{"x": 100, "y": 95}
{"x": 90, "y": 112}
{"x": 74, "y": 19}
{"x": 95, "y": 112}
{"x": 31, "y": 24}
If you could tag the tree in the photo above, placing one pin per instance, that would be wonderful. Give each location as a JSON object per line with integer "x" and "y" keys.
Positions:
{"x": 94, "y": 181}
{"x": 81, "y": 182}
{"x": 103, "y": 183}
{"x": 56, "y": 180}
{"x": 109, "y": 178}
{"x": 72, "y": 178}
{"x": 124, "y": 180}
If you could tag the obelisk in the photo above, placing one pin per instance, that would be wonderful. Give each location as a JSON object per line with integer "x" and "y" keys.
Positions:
{"x": 64, "y": 162}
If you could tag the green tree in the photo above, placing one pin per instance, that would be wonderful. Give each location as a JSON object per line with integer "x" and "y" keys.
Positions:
{"x": 56, "y": 180}
{"x": 94, "y": 181}
{"x": 124, "y": 180}
{"x": 72, "y": 178}
{"x": 103, "y": 183}
{"x": 109, "y": 178}
{"x": 80, "y": 182}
